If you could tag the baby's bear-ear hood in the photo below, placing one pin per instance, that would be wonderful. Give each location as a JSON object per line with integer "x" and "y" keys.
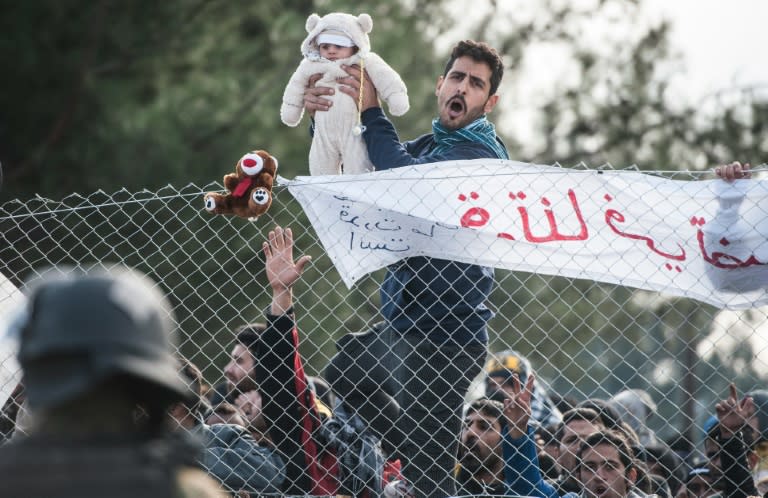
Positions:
{"x": 357, "y": 28}
{"x": 312, "y": 21}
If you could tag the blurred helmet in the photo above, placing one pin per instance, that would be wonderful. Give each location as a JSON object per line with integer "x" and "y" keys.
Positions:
{"x": 635, "y": 407}
{"x": 507, "y": 363}
{"x": 81, "y": 331}
{"x": 635, "y": 402}
{"x": 760, "y": 399}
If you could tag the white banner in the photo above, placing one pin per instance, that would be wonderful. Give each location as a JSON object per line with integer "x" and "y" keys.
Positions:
{"x": 11, "y": 300}
{"x": 706, "y": 240}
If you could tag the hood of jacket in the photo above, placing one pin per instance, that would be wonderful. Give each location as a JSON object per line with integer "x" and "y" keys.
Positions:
{"x": 356, "y": 27}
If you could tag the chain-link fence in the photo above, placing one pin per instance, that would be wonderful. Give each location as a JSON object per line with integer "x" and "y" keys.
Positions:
{"x": 584, "y": 339}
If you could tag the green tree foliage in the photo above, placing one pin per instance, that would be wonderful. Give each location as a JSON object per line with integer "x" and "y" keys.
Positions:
{"x": 144, "y": 94}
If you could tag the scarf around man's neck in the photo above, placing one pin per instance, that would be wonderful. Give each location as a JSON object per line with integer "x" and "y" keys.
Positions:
{"x": 480, "y": 130}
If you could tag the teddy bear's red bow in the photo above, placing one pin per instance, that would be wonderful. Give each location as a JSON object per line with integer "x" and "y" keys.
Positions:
{"x": 243, "y": 186}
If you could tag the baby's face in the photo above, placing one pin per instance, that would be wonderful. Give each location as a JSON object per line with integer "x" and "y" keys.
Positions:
{"x": 333, "y": 52}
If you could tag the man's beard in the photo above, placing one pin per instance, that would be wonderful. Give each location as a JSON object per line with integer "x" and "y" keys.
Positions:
{"x": 471, "y": 459}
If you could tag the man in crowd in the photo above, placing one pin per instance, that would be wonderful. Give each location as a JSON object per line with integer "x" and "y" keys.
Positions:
{"x": 230, "y": 453}
{"x": 325, "y": 453}
{"x": 240, "y": 388}
{"x": 737, "y": 469}
{"x": 603, "y": 465}
{"x": 607, "y": 467}
{"x": 577, "y": 424}
{"x": 435, "y": 311}
{"x": 480, "y": 468}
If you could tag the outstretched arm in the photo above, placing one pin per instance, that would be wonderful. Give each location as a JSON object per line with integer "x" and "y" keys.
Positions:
{"x": 282, "y": 271}
{"x": 287, "y": 403}
{"x": 732, "y": 415}
{"x": 522, "y": 473}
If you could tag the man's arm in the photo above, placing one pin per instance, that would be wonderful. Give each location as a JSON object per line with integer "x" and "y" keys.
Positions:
{"x": 521, "y": 463}
{"x": 522, "y": 473}
{"x": 288, "y": 403}
{"x": 732, "y": 417}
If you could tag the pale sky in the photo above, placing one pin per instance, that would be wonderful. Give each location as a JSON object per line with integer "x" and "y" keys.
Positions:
{"x": 721, "y": 45}
{"x": 723, "y": 42}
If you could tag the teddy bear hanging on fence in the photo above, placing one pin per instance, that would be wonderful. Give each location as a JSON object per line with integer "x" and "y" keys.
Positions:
{"x": 334, "y": 40}
{"x": 250, "y": 187}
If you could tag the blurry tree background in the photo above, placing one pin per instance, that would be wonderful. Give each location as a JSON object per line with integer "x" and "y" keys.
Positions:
{"x": 100, "y": 95}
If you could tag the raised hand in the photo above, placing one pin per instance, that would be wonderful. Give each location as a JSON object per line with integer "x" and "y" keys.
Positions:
{"x": 732, "y": 414}
{"x": 282, "y": 271}
{"x": 517, "y": 407}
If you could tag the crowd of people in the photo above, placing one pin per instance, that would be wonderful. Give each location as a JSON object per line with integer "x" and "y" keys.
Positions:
{"x": 115, "y": 410}
{"x": 270, "y": 429}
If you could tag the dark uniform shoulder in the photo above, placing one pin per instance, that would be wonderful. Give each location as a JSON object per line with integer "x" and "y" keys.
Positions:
{"x": 37, "y": 466}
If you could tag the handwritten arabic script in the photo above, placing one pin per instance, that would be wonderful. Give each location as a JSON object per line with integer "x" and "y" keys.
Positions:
{"x": 625, "y": 228}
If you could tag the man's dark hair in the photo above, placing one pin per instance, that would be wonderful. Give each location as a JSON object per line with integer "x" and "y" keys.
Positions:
{"x": 612, "y": 438}
{"x": 671, "y": 466}
{"x": 608, "y": 414}
{"x": 479, "y": 52}
{"x": 547, "y": 433}
{"x": 586, "y": 414}
{"x": 488, "y": 407}
{"x": 248, "y": 335}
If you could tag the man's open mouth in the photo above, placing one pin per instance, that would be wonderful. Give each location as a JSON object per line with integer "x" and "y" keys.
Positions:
{"x": 456, "y": 107}
{"x": 600, "y": 490}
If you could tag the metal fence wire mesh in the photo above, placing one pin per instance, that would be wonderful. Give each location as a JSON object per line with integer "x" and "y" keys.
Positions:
{"x": 585, "y": 340}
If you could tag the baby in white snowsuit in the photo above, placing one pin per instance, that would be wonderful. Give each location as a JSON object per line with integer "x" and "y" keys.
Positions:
{"x": 333, "y": 40}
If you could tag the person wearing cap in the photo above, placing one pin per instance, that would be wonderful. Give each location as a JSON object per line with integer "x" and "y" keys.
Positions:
{"x": 97, "y": 356}
{"x": 698, "y": 484}
{"x": 501, "y": 367}
{"x": 334, "y": 41}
